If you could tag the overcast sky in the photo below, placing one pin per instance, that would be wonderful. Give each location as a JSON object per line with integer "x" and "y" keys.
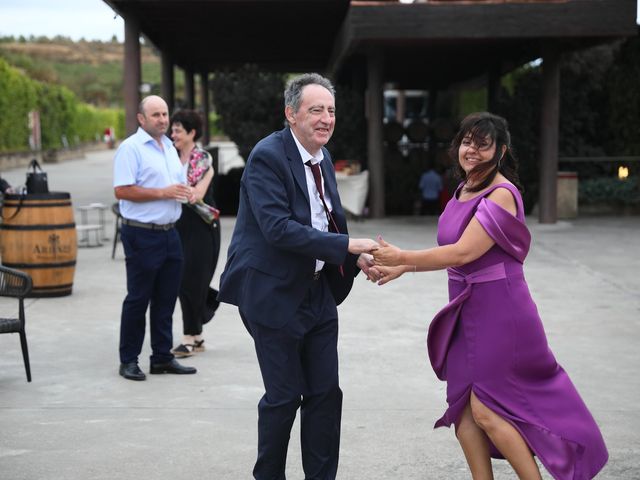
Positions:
{"x": 91, "y": 19}
{"x": 88, "y": 19}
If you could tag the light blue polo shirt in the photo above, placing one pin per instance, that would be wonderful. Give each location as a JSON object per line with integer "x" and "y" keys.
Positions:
{"x": 140, "y": 161}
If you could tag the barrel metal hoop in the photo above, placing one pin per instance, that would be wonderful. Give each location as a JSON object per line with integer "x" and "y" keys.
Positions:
{"x": 44, "y": 292}
{"x": 61, "y": 226}
{"x": 38, "y": 196}
{"x": 55, "y": 287}
{"x": 20, "y": 266}
{"x": 28, "y": 204}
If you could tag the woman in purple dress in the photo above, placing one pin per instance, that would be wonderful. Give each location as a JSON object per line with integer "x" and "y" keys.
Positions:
{"x": 507, "y": 395}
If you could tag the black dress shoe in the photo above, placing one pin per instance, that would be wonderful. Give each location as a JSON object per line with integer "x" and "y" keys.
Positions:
{"x": 171, "y": 367}
{"x": 131, "y": 371}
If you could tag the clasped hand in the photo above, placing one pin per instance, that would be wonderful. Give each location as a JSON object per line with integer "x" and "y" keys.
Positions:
{"x": 387, "y": 263}
{"x": 386, "y": 255}
{"x": 377, "y": 259}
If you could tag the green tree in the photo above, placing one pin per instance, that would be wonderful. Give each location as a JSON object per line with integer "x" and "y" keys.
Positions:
{"x": 583, "y": 99}
{"x": 250, "y": 104}
{"x": 521, "y": 108}
{"x": 585, "y": 88}
{"x": 621, "y": 126}
{"x": 349, "y": 139}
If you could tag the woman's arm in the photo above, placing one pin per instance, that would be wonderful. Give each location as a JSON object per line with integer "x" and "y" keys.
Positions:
{"x": 200, "y": 188}
{"x": 473, "y": 243}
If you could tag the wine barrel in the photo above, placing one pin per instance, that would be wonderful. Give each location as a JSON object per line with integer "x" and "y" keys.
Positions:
{"x": 38, "y": 236}
{"x": 392, "y": 131}
{"x": 417, "y": 131}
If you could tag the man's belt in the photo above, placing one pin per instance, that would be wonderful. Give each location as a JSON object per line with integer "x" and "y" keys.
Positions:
{"x": 148, "y": 226}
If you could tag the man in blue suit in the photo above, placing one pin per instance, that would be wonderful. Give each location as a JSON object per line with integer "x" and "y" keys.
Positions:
{"x": 290, "y": 263}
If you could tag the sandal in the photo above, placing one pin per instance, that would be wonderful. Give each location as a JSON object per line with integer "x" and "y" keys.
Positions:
{"x": 198, "y": 346}
{"x": 183, "y": 350}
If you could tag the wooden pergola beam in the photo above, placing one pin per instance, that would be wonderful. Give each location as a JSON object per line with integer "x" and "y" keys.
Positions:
{"x": 133, "y": 73}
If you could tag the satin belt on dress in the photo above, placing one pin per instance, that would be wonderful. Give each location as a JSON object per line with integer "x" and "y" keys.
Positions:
{"x": 444, "y": 323}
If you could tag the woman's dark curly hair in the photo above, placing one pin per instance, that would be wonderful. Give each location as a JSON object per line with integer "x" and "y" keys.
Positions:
{"x": 190, "y": 120}
{"x": 478, "y": 127}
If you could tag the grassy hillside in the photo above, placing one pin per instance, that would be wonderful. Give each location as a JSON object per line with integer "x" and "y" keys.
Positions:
{"x": 92, "y": 70}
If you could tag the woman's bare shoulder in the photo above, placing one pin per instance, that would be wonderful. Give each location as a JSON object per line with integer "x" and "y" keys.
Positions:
{"x": 502, "y": 196}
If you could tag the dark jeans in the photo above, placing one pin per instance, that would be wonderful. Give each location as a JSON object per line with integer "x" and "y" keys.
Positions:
{"x": 299, "y": 366}
{"x": 154, "y": 263}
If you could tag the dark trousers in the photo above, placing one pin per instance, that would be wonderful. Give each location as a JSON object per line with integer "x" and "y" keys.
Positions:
{"x": 299, "y": 366}
{"x": 200, "y": 247}
{"x": 154, "y": 263}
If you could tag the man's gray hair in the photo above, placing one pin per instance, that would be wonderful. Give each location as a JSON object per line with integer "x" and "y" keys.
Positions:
{"x": 293, "y": 92}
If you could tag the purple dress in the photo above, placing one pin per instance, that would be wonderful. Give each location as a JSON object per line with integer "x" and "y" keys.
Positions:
{"x": 490, "y": 339}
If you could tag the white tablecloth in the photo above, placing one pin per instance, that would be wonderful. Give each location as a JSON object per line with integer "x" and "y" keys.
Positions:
{"x": 353, "y": 191}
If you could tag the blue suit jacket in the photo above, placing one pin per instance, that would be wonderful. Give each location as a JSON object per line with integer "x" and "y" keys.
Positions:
{"x": 271, "y": 258}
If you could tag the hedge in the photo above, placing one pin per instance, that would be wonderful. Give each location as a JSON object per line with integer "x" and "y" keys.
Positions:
{"x": 18, "y": 95}
{"x": 609, "y": 190}
{"x": 61, "y": 114}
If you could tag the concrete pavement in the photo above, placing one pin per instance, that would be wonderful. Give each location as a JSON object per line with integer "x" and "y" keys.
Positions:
{"x": 79, "y": 420}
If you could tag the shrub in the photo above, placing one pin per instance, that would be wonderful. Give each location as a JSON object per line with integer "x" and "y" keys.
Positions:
{"x": 61, "y": 114}
{"x": 609, "y": 190}
{"x": 18, "y": 96}
{"x": 57, "y": 107}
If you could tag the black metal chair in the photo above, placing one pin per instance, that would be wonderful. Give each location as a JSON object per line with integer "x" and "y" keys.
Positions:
{"x": 16, "y": 284}
{"x": 115, "y": 208}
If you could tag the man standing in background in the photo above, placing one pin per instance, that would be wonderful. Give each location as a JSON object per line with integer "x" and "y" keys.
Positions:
{"x": 150, "y": 183}
{"x": 430, "y": 188}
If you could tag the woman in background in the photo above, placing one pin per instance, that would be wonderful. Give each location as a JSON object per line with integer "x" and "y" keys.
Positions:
{"x": 199, "y": 230}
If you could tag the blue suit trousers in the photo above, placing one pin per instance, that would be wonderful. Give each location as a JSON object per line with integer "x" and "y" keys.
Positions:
{"x": 299, "y": 366}
{"x": 154, "y": 264}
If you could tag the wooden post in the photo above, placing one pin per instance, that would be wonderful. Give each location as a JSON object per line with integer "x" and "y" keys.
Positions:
{"x": 204, "y": 86}
{"x": 167, "y": 88}
{"x": 493, "y": 87}
{"x": 549, "y": 128}
{"x": 401, "y": 107}
{"x": 374, "y": 133}
{"x": 132, "y": 73}
{"x": 189, "y": 89}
